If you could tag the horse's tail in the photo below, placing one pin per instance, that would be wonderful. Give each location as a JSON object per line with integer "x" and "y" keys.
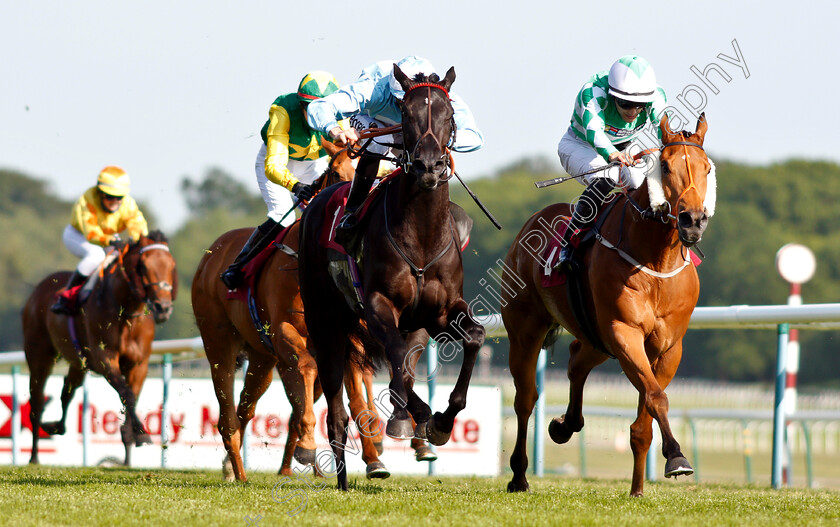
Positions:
{"x": 551, "y": 337}
{"x": 241, "y": 357}
{"x": 366, "y": 352}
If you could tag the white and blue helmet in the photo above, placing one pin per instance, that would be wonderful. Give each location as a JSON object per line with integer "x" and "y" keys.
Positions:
{"x": 411, "y": 66}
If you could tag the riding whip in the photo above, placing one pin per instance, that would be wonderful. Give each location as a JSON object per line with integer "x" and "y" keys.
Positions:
{"x": 555, "y": 181}
{"x": 472, "y": 195}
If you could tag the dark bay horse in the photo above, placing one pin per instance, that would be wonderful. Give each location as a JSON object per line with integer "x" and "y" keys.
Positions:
{"x": 227, "y": 330}
{"x": 411, "y": 276}
{"x": 112, "y": 334}
{"x": 639, "y": 310}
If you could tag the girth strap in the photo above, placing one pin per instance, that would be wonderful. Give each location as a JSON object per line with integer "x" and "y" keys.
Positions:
{"x": 417, "y": 271}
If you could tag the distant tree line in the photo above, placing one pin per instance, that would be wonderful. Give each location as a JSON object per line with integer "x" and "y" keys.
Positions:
{"x": 759, "y": 209}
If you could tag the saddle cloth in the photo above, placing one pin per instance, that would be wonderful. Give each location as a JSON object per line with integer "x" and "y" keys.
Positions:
{"x": 253, "y": 268}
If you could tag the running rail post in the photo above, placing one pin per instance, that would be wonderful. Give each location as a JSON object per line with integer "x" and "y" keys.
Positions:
{"x": 779, "y": 409}
{"x": 16, "y": 416}
{"x": 431, "y": 371}
{"x": 539, "y": 417}
{"x": 164, "y": 411}
{"x": 246, "y": 435}
{"x": 85, "y": 423}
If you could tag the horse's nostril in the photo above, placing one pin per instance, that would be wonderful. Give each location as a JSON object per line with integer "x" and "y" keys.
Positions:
{"x": 685, "y": 220}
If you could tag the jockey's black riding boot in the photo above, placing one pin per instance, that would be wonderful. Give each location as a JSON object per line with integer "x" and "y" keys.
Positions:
{"x": 62, "y": 305}
{"x": 346, "y": 233}
{"x": 258, "y": 241}
{"x": 586, "y": 209}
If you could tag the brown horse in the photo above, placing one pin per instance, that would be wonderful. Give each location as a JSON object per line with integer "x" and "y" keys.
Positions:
{"x": 640, "y": 311}
{"x": 112, "y": 335}
{"x": 227, "y": 329}
{"x": 411, "y": 275}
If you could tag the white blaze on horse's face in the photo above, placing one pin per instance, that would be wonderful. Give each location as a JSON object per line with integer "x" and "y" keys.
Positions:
{"x": 685, "y": 169}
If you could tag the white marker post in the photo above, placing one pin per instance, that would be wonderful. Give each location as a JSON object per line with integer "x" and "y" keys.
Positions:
{"x": 796, "y": 264}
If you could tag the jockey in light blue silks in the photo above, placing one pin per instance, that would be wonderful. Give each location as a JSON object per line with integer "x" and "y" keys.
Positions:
{"x": 371, "y": 101}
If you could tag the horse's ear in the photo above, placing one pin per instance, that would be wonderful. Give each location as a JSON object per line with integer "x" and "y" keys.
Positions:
{"x": 702, "y": 126}
{"x": 331, "y": 148}
{"x": 449, "y": 78}
{"x": 665, "y": 127}
{"x": 402, "y": 78}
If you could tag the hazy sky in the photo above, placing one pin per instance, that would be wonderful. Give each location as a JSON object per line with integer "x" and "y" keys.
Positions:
{"x": 170, "y": 89}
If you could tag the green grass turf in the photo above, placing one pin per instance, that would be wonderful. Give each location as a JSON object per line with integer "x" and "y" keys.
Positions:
{"x": 108, "y": 496}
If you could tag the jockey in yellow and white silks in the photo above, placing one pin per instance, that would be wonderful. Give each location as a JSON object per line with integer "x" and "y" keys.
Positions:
{"x": 103, "y": 211}
{"x": 289, "y": 160}
{"x": 611, "y": 110}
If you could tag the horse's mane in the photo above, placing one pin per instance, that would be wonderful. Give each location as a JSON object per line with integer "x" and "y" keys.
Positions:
{"x": 420, "y": 77}
{"x": 157, "y": 236}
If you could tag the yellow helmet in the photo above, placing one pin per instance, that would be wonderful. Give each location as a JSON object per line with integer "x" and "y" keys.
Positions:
{"x": 113, "y": 181}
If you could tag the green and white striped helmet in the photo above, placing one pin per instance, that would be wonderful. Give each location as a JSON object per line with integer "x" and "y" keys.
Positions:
{"x": 632, "y": 78}
{"x": 315, "y": 85}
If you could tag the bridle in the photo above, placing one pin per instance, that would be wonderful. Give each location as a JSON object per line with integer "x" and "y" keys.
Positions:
{"x": 691, "y": 184}
{"x": 142, "y": 293}
{"x": 665, "y": 217}
{"x": 408, "y": 157}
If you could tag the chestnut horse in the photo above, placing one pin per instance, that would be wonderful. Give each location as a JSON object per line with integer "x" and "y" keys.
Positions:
{"x": 112, "y": 334}
{"x": 411, "y": 275}
{"x": 227, "y": 330}
{"x": 640, "y": 290}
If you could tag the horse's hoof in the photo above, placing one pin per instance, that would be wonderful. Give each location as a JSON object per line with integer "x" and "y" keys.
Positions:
{"x": 379, "y": 447}
{"x": 558, "y": 431}
{"x": 425, "y": 453}
{"x": 677, "y": 466}
{"x": 434, "y": 435}
{"x": 420, "y": 430}
{"x": 377, "y": 470}
{"x": 399, "y": 429}
{"x": 54, "y": 428}
{"x": 518, "y": 485}
{"x": 142, "y": 439}
{"x": 227, "y": 470}
{"x": 305, "y": 456}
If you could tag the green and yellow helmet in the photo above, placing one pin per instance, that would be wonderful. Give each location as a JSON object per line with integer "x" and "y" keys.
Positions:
{"x": 113, "y": 181}
{"x": 316, "y": 84}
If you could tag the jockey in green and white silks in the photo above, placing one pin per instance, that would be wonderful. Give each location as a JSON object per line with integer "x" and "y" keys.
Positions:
{"x": 598, "y": 127}
{"x": 611, "y": 110}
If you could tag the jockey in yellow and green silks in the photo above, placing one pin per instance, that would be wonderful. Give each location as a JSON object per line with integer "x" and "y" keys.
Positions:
{"x": 289, "y": 160}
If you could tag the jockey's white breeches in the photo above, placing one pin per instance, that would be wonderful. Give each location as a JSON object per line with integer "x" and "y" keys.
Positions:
{"x": 277, "y": 198}
{"x": 92, "y": 255}
{"x": 578, "y": 156}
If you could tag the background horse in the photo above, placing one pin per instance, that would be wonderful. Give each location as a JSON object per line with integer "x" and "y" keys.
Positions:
{"x": 411, "y": 275}
{"x": 640, "y": 315}
{"x": 227, "y": 330}
{"x": 112, "y": 334}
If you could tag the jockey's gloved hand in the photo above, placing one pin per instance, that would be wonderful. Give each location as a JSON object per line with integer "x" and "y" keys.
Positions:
{"x": 303, "y": 191}
{"x": 117, "y": 243}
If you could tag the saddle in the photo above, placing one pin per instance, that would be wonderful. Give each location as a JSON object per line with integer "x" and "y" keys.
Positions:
{"x": 251, "y": 273}
{"x": 77, "y": 296}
